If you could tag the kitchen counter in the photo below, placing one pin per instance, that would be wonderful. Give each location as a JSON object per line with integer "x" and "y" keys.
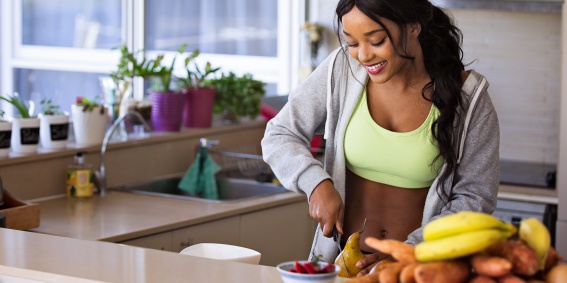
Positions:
{"x": 45, "y": 258}
{"x": 528, "y": 194}
{"x": 121, "y": 216}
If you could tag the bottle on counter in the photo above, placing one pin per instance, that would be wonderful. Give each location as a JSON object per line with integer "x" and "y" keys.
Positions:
{"x": 80, "y": 178}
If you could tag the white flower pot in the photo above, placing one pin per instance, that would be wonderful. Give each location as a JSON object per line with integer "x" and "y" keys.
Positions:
{"x": 89, "y": 126}
{"x": 5, "y": 138}
{"x": 53, "y": 131}
{"x": 25, "y": 135}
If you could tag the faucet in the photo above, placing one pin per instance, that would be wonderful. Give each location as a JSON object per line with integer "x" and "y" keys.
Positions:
{"x": 101, "y": 174}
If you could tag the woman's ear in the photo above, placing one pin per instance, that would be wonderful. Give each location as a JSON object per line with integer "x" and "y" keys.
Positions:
{"x": 414, "y": 29}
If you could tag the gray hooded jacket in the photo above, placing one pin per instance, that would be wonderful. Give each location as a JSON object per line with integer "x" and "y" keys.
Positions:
{"x": 324, "y": 103}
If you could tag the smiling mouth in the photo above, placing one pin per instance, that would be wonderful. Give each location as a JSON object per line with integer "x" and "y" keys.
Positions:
{"x": 375, "y": 67}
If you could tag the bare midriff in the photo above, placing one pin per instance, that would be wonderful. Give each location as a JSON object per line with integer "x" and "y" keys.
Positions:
{"x": 391, "y": 212}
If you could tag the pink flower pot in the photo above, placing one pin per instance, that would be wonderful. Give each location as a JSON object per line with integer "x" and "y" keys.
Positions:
{"x": 198, "y": 110}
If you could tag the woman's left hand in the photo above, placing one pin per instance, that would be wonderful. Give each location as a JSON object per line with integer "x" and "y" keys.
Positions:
{"x": 369, "y": 262}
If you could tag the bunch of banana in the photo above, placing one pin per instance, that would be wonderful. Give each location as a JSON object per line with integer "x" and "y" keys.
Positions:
{"x": 460, "y": 234}
{"x": 537, "y": 237}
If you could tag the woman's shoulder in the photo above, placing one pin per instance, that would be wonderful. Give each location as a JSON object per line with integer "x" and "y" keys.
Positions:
{"x": 472, "y": 80}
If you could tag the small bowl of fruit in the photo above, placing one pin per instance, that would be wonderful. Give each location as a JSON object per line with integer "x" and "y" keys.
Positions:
{"x": 301, "y": 271}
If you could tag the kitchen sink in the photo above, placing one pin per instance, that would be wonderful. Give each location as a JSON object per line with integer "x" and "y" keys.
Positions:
{"x": 230, "y": 189}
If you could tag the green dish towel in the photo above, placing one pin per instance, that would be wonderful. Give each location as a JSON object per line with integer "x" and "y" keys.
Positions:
{"x": 200, "y": 178}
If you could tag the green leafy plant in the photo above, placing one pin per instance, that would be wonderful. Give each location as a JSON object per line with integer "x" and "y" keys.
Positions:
{"x": 89, "y": 105}
{"x": 2, "y": 114}
{"x": 130, "y": 66}
{"x": 17, "y": 102}
{"x": 195, "y": 79}
{"x": 49, "y": 108}
{"x": 240, "y": 94}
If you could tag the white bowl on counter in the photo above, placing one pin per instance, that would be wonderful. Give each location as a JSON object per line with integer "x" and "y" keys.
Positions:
{"x": 294, "y": 277}
{"x": 223, "y": 252}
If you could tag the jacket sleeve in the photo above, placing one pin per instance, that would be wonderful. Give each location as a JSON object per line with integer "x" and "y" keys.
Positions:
{"x": 286, "y": 141}
{"x": 476, "y": 179}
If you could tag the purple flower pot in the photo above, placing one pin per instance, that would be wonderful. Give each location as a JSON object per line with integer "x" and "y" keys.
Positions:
{"x": 167, "y": 111}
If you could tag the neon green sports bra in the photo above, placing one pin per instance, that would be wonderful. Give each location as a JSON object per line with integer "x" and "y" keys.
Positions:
{"x": 392, "y": 158}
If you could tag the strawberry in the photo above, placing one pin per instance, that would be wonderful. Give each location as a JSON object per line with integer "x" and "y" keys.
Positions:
{"x": 328, "y": 268}
{"x": 311, "y": 267}
{"x": 299, "y": 267}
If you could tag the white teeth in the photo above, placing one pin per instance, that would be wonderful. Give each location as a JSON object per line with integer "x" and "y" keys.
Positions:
{"x": 374, "y": 67}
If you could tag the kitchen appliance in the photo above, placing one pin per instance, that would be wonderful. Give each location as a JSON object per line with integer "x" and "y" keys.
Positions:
{"x": 514, "y": 211}
{"x": 531, "y": 174}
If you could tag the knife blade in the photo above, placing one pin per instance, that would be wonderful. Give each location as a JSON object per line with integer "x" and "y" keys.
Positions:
{"x": 336, "y": 239}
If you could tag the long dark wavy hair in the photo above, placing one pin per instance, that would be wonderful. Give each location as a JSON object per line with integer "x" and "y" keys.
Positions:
{"x": 441, "y": 43}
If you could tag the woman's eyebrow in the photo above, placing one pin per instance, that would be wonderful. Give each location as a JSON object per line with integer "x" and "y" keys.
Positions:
{"x": 366, "y": 33}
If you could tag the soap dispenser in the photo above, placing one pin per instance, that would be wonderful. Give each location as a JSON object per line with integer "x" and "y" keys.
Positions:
{"x": 80, "y": 178}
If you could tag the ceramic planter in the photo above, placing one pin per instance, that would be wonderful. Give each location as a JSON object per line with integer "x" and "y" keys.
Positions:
{"x": 89, "y": 126}
{"x": 5, "y": 138}
{"x": 53, "y": 131}
{"x": 167, "y": 111}
{"x": 25, "y": 135}
{"x": 198, "y": 110}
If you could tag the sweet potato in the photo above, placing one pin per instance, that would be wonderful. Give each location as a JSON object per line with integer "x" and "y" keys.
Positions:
{"x": 368, "y": 278}
{"x": 510, "y": 278}
{"x": 492, "y": 266}
{"x": 404, "y": 257}
{"x": 523, "y": 258}
{"x": 557, "y": 274}
{"x": 407, "y": 273}
{"x": 483, "y": 279}
{"x": 381, "y": 265}
{"x": 390, "y": 273}
{"x": 553, "y": 258}
{"x": 451, "y": 271}
{"x": 388, "y": 246}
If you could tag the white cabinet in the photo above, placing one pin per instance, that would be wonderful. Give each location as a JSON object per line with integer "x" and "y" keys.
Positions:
{"x": 223, "y": 231}
{"x": 281, "y": 233}
{"x": 161, "y": 241}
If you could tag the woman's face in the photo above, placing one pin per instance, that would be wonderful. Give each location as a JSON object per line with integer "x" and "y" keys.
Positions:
{"x": 370, "y": 45}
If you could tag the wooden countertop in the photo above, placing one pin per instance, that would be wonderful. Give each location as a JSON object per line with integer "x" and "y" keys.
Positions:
{"x": 45, "y": 258}
{"x": 121, "y": 216}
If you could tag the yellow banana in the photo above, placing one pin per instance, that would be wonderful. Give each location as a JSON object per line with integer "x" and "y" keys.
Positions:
{"x": 463, "y": 222}
{"x": 537, "y": 237}
{"x": 459, "y": 245}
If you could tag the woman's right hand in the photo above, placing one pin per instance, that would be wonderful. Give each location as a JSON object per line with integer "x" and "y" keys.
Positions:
{"x": 326, "y": 207}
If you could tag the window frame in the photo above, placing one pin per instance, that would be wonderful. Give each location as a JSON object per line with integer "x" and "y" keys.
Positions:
{"x": 14, "y": 54}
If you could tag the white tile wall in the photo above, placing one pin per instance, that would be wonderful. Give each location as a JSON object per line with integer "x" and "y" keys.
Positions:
{"x": 520, "y": 54}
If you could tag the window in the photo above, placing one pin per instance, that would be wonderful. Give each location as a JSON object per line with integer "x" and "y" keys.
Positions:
{"x": 57, "y": 49}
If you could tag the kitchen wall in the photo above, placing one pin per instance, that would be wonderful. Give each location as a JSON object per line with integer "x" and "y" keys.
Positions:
{"x": 519, "y": 53}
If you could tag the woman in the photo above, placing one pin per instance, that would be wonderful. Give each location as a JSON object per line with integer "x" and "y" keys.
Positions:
{"x": 410, "y": 135}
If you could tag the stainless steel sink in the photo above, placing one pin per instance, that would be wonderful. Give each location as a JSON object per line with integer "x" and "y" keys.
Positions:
{"x": 230, "y": 189}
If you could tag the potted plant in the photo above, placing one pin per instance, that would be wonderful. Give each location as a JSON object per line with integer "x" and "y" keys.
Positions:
{"x": 167, "y": 103}
{"x": 198, "y": 110}
{"x": 5, "y": 135}
{"x": 25, "y": 127}
{"x": 237, "y": 96}
{"x": 90, "y": 119}
{"x": 53, "y": 126}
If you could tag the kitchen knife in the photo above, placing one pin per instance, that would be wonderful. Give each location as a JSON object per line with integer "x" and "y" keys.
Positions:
{"x": 336, "y": 239}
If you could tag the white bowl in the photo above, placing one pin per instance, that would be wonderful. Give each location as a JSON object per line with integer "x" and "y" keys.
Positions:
{"x": 223, "y": 252}
{"x": 293, "y": 277}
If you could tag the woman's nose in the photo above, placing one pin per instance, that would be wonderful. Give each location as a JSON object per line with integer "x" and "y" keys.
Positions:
{"x": 364, "y": 54}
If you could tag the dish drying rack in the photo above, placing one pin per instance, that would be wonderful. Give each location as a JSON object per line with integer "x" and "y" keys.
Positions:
{"x": 243, "y": 162}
